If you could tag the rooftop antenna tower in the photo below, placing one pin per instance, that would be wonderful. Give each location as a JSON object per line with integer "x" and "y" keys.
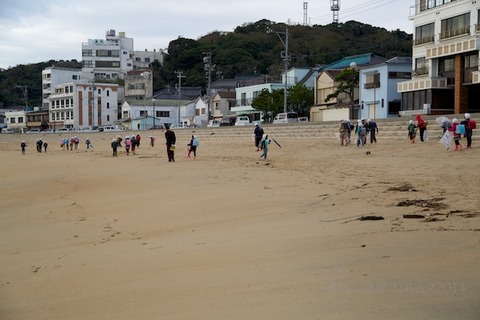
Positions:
{"x": 305, "y": 9}
{"x": 335, "y": 7}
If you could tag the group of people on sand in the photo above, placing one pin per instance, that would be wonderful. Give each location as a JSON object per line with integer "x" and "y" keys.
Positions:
{"x": 451, "y": 129}
{"x": 363, "y": 129}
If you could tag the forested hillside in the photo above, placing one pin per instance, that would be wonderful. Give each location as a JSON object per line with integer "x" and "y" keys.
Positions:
{"x": 246, "y": 51}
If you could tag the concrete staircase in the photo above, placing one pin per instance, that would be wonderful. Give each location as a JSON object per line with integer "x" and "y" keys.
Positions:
{"x": 391, "y": 128}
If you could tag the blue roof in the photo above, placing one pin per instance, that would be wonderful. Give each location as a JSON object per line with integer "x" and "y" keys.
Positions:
{"x": 361, "y": 59}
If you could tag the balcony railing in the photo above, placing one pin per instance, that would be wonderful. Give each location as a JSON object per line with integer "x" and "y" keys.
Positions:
{"x": 453, "y": 33}
{"x": 420, "y": 71}
{"x": 372, "y": 85}
{"x": 423, "y": 40}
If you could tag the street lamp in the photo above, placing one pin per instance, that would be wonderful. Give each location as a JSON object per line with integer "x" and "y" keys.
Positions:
{"x": 353, "y": 66}
{"x": 286, "y": 59}
{"x": 153, "y": 101}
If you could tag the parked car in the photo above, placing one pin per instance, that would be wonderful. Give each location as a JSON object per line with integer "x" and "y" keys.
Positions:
{"x": 302, "y": 119}
{"x": 33, "y": 131}
{"x": 64, "y": 130}
{"x": 286, "y": 117}
{"x": 8, "y": 130}
{"x": 213, "y": 123}
{"x": 228, "y": 121}
{"x": 243, "y": 121}
{"x": 110, "y": 129}
{"x": 48, "y": 131}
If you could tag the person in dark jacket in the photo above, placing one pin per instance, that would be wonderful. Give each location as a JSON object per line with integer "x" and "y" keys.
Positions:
{"x": 373, "y": 129}
{"x": 170, "y": 142}
{"x": 258, "y": 134}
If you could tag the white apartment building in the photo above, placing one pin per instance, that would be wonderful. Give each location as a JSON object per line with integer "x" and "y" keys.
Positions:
{"x": 80, "y": 105}
{"x": 108, "y": 58}
{"x": 52, "y": 77}
{"x": 445, "y": 57}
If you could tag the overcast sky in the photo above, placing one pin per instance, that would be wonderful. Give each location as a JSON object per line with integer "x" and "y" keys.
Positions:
{"x": 33, "y": 31}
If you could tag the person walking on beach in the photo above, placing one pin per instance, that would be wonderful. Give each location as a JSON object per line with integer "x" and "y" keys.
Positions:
{"x": 133, "y": 144}
{"x": 119, "y": 142}
{"x": 138, "y": 138}
{"x": 257, "y": 135}
{"x": 152, "y": 141}
{"x": 412, "y": 131}
{"x": 39, "y": 145}
{"x": 127, "y": 145}
{"x": 88, "y": 143}
{"x": 457, "y": 135}
{"x": 343, "y": 130}
{"x": 264, "y": 145}
{"x": 170, "y": 142}
{"x": 192, "y": 147}
{"x": 114, "y": 145}
{"x": 469, "y": 124}
{"x": 45, "y": 146}
{"x": 422, "y": 126}
{"x": 76, "y": 141}
{"x": 373, "y": 129}
{"x": 23, "y": 145}
{"x": 361, "y": 133}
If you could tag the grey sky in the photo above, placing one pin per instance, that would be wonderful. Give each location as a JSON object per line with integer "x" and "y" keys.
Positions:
{"x": 40, "y": 30}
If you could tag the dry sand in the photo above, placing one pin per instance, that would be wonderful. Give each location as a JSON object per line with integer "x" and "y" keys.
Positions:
{"x": 84, "y": 235}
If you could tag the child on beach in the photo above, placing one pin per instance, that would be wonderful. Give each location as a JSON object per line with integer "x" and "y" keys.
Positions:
{"x": 114, "y": 147}
{"x": 457, "y": 135}
{"x": 361, "y": 133}
{"x": 412, "y": 131}
{"x": 192, "y": 147}
{"x": 265, "y": 142}
{"x": 422, "y": 126}
{"x": 469, "y": 124}
{"x": 152, "y": 141}
{"x": 45, "y": 146}
{"x": 88, "y": 143}
{"x": 127, "y": 145}
{"x": 23, "y": 145}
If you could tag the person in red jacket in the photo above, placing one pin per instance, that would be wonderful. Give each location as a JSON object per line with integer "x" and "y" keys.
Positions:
{"x": 422, "y": 126}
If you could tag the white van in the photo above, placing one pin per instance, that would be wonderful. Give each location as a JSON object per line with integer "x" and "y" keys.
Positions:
{"x": 286, "y": 117}
{"x": 243, "y": 121}
{"x": 110, "y": 129}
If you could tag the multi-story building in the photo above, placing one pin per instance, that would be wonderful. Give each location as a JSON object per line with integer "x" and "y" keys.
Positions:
{"x": 445, "y": 57}
{"x": 83, "y": 104}
{"x": 143, "y": 59}
{"x": 109, "y": 58}
{"x": 52, "y": 77}
{"x": 139, "y": 84}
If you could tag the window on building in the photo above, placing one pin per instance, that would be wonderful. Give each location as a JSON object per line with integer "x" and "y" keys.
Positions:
{"x": 108, "y": 117}
{"x": 429, "y": 4}
{"x": 20, "y": 119}
{"x": 455, "y": 26}
{"x": 446, "y": 69}
{"x": 108, "y": 105}
{"x": 147, "y": 60}
{"x": 162, "y": 114}
{"x": 108, "y": 93}
{"x": 244, "y": 99}
{"x": 12, "y": 120}
{"x": 399, "y": 75}
{"x": 424, "y": 34}
{"x": 87, "y": 53}
{"x": 372, "y": 81}
{"x": 420, "y": 66}
{"x": 470, "y": 65}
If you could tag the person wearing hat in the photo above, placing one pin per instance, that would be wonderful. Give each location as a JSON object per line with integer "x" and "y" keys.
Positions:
{"x": 23, "y": 145}
{"x": 114, "y": 145}
{"x": 469, "y": 126}
{"x": 170, "y": 142}
{"x": 258, "y": 135}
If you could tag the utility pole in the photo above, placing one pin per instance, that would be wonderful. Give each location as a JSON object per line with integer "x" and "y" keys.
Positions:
{"x": 179, "y": 76}
{"x": 25, "y": 95}
{"x": 207, "y": 60}
{"x": 286, "y": 60}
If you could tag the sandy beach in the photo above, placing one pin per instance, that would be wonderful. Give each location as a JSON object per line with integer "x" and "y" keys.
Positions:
{"x": 84, "y": 235}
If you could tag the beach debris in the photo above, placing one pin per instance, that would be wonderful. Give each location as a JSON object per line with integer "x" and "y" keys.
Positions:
{"x": 365, "y": 218}
{"x": 424, "y": 203}
{"x": 413, "y": 216}
{"x": 431, "y": 218}
{"x": 367, "y": 153}
{"x": 406, "y": 187}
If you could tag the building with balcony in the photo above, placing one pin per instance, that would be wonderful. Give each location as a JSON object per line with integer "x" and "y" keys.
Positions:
{"x": 109, "y": 58}
{"x": 445, "y": 76}
{"x": 54, "y": 76}
{"x": 379, "y": 97}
